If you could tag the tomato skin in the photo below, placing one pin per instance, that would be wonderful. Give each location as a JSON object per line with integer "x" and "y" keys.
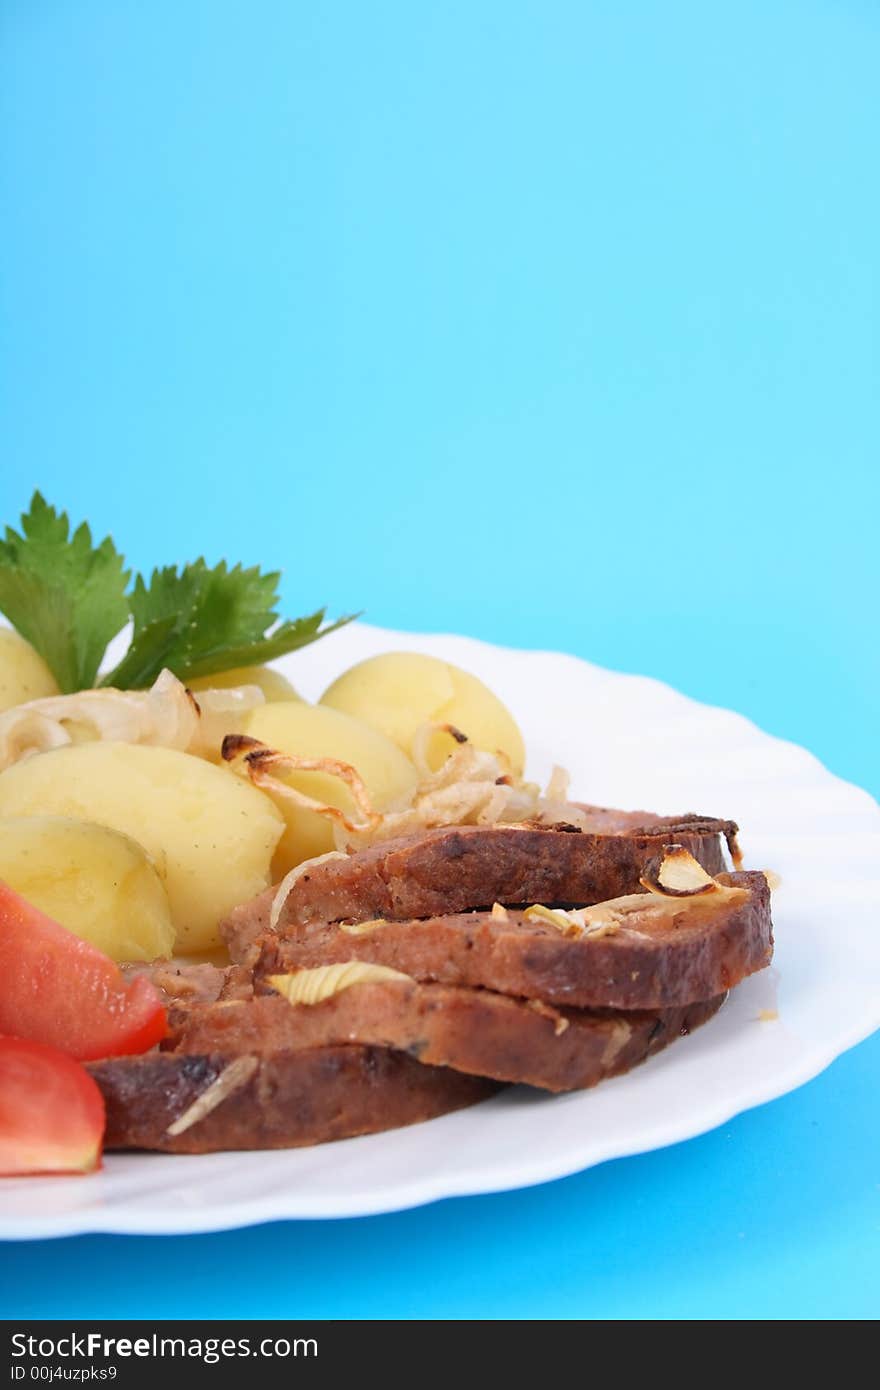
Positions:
{"x": 51, "y": 1112}
{"x": 57, "y": 989}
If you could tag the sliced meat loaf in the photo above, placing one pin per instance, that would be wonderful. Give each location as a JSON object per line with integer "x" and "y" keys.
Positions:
{"x": 460, "y": 868}
{"x": 654, "y": 953}
{"x": 284, "y": 1100}
{"x": 471, "y": 1030}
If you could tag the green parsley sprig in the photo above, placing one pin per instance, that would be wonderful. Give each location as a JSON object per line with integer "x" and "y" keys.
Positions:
{"x": 70, "y": 598}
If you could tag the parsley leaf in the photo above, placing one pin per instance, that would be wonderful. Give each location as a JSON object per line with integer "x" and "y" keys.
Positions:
{"x": 145, "y": 657}
{"x": 67, "y": 597}
{"x": 62, "y": 593}
{"x": 198, "y": 621}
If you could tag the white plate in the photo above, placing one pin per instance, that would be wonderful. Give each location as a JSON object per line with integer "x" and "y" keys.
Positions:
{"x": 628, "y": 741}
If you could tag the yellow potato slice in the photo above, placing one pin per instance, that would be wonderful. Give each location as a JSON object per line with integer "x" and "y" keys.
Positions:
{"x": 24, "y": 674}
{"x": 211, "y": 835}
{"x": 97, "y": 882}
{"x": 399, "y": 691}
{"x": 314, "y": 731}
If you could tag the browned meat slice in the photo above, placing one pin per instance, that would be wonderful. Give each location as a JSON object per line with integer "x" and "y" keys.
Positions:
{"x": 460, "y": 868}
{"x": 471, "y": 1030}
{"x": 661, "y": 954}
{"x": 281, "y": 1101}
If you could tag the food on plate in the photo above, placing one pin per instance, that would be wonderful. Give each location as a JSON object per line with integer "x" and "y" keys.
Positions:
{"x": 96, "y": 882}
{"x": 640, "y": 951}
{"x": 471, "y": 1030}
{"x": 51, "y": 1112}
{"x": 273, "y": 685}
{"x": 59, "y": 990}
{"x": 400, "y": 692}
{"x": 184, "y": 1103}
{"x": 553, "y": 1000}
{"x": 311, "y": 731}
{"x": 459, "y": 868}
{"x": 24, "y": 674}
{"x": 263, "y": 923}
{"x": 210, "y": 835}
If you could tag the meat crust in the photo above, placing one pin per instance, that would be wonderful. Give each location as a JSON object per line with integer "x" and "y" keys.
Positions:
{"x": 288, "y": 1100}
{"x": 461, "y": 868}
{"x": 662, "y": 958}
{"x": 471, "y": 1030}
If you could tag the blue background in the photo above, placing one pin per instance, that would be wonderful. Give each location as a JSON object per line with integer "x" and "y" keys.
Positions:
{"x": 553, "y": 323}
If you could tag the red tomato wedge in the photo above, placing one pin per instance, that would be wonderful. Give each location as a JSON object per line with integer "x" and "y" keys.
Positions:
{"x": 51, "y": 1112}
{"x": 57, "y": 989}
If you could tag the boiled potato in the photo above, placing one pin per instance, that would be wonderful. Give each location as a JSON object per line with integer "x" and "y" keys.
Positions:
{"x": 273, "y": 685}
{"x": 296, "y": 727}
{"x": 212, "y": 836}
{"x": 24, "y": 674}
{"x": 400, "y": 691}
{"x": 96, "y": 882}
